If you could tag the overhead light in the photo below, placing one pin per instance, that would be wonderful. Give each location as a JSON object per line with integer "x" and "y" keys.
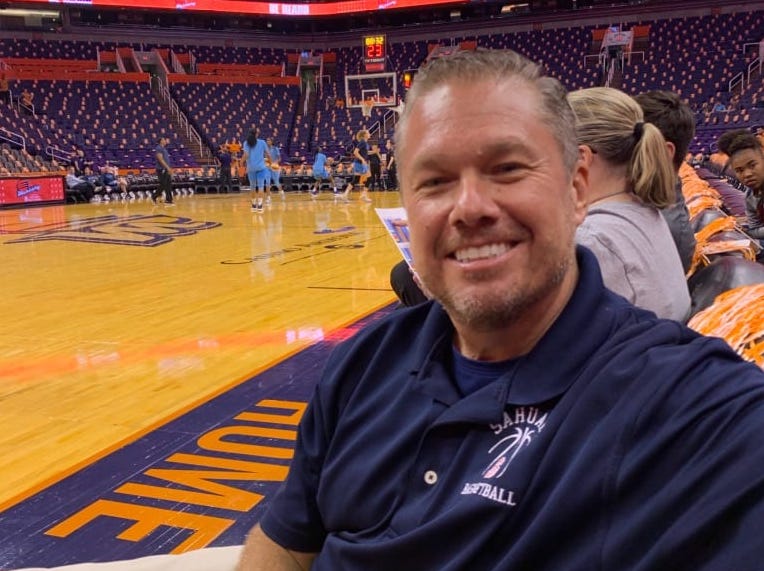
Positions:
{"x": 22, "y": 12}
{"x": 511, "y": 8}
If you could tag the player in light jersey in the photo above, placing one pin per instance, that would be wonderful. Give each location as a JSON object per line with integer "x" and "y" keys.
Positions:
{"x": 321, "y": 166}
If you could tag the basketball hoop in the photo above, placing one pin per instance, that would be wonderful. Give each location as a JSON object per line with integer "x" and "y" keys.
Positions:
{"x": 366, "y": 107}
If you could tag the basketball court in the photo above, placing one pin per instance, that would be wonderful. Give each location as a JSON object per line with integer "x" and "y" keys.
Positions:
{"x": 155, "y": 363}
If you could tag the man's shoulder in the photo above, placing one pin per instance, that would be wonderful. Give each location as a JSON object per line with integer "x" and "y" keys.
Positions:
{"x": 662, "y": 354}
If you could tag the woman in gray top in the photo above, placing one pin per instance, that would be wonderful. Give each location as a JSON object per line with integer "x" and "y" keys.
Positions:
{"x": 630, "y": 178}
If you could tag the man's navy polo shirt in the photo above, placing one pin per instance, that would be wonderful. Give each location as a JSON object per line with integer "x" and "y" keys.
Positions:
{"x": 619, "y": 442}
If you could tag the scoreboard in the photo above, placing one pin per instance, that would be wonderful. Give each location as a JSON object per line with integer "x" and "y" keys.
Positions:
{"x": 374, "y": 53}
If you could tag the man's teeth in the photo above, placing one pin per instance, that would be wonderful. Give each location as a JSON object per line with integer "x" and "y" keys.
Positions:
{"x": 487, "y": 251}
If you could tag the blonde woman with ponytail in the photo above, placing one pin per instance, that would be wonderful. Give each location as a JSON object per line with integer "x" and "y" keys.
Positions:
{"x": 630, "y": 178}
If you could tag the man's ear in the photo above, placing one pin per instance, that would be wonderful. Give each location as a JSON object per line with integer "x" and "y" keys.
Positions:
{"x": 580, "y": 182}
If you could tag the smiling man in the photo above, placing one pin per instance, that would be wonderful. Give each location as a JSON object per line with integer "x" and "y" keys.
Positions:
{"x": 492, "y": 211}
{"x": 526, "y": 418}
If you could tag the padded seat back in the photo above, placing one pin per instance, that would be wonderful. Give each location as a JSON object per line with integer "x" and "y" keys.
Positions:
{"x": 724, "y": 273}
{"x": 705, "y": 217}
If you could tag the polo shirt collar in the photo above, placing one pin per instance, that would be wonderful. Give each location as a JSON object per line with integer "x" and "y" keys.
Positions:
{"x": 543, "y": 374}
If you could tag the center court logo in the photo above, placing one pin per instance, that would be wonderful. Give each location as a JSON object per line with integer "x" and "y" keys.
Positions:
{"x": 136, "y": 230}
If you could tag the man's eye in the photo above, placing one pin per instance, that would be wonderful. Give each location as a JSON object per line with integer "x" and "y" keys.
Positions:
{"x": 507, "y": 167}
{"x": 432, "y": 182}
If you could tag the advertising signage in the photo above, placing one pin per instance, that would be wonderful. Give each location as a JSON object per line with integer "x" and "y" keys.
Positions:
{"x": 28, "y": 190}
{"x": 256, "y": 7}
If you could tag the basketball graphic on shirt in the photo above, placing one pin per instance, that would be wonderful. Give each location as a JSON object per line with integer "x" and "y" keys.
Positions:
{"x": 508, "y": 448}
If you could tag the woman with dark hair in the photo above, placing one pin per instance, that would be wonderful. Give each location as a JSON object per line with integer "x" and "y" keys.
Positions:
{"x": 746, "y": 161}
{"x": 255, "y": 156}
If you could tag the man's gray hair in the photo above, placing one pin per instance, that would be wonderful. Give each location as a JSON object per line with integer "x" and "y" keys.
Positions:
{"x": 500, "y": 65}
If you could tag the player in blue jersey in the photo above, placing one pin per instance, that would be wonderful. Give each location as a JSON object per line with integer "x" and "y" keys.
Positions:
{"x": 526, "y": 417}
{"x": 321, "y": 166}
{"x": 257, "y": 160}
{"x": 360, "y": 166}
{"x": 273, "y": 177}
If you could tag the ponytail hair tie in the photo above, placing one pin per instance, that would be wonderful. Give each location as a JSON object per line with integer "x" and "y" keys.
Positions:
{"x": 639, "y": 128}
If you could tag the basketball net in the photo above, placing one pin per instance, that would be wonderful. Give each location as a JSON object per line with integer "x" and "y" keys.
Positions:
{"x": 366, "y": 108}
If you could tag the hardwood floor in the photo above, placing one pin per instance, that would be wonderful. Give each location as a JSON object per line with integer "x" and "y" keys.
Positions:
{"x": 119, "y": 316}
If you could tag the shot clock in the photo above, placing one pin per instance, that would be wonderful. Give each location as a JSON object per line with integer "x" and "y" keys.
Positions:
{"x": 374, "y": 53}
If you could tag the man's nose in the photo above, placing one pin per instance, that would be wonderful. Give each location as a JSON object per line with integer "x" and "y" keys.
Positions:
{"x": 475, "y": 202}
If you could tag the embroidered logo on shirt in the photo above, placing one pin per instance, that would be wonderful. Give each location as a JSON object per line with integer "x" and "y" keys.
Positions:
{"x": 493, "y": 493}
{"x": 522, "y": 423}
{"x": 517, "y": 430}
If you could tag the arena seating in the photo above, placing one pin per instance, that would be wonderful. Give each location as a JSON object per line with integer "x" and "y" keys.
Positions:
{"x": 699, "y": 66}
{"x": 51, "y": 49}
{"x": 15, "y": 160}
{"x": 226, "y": 111}
{"x": 113, "y": 121}
{"x": 37, "y": 134}
{"x": 220, "y": 54}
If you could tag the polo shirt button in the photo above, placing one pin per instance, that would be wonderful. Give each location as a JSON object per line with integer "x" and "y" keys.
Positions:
{"x": 430, "y": 477}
